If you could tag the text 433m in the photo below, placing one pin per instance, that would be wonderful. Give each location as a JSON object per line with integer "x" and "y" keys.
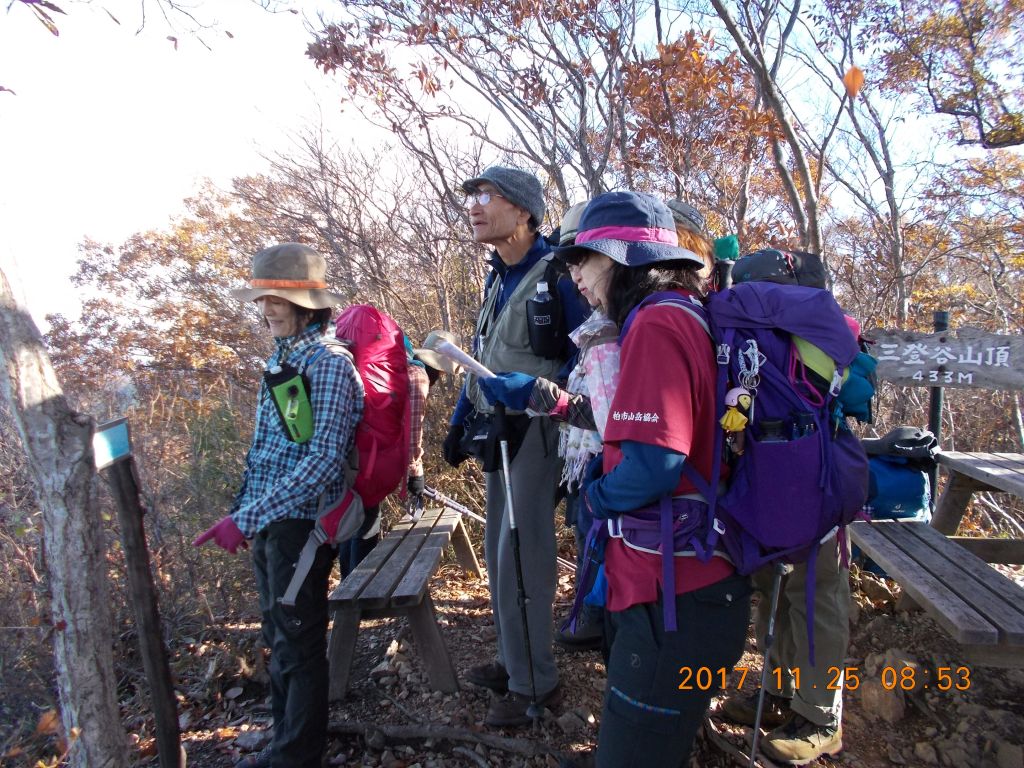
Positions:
{"x": 891, "y": 678}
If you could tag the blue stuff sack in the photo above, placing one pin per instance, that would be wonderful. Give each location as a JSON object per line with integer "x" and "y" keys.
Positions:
{"x": 897, "y": 490}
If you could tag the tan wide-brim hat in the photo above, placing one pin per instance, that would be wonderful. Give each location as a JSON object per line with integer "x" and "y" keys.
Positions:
{"x": 438, "y": 362}
{"x": 291, "y": 271}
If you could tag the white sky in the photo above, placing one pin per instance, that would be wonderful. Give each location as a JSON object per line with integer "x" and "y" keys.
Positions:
{"x": 110, "y": 131}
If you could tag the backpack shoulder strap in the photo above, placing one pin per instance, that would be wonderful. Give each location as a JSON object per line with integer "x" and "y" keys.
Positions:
{"x": 326, "y": 346}
{"x": 691, "y": 306}
{"x": 688, "y": 304}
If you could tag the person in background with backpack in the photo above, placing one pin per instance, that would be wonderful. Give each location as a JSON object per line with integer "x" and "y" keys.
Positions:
{"x": 658, "y": 452}
{"x": 803, "y": 702}
{"x": 581, "y": 408}
{"x": 419, "y": 388}
{"x": 290, "y": 477}
{"x": 804, "y": 719}
{"x": 425, "y": 368}
{"x": 589, "y": 389}
{"x": 506, "y": 208}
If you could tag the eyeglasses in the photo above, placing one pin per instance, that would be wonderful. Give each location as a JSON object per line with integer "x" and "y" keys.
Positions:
{"x": 574, "y": 263}
{"x": 481, "y": 197}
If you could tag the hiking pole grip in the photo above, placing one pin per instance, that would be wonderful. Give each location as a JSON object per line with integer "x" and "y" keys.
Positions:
{"x": 509, "y": 506}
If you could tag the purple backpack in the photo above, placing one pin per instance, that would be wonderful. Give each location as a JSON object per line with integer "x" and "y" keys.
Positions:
{"x": 801, "y": 475}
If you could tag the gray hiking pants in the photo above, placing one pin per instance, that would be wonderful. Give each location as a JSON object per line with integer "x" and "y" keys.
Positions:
{"x": 818, "y": 695}
{"x": 534, "y": 477}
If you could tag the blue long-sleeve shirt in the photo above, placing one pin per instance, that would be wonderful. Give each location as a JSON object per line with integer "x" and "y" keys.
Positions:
{"x": 645, "y": 474}
{"x": 574, "y": 310}
{"x": 284, "y": 479}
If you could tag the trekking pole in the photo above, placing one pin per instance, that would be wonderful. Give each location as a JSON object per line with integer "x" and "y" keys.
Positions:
{"x": 462, "y": 509}
{"x": 448, "y": 501}
{"x": 781, "y": 569}
{"x": 533, "y": 711}
{"x": 414, "y": 506}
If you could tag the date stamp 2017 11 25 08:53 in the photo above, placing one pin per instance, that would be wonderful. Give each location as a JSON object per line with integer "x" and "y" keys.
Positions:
{"x": 907, "y": 678}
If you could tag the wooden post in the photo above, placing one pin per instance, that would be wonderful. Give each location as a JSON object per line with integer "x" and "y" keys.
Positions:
{"x": 120, "y": 475}
{"x": 940, "y": 322}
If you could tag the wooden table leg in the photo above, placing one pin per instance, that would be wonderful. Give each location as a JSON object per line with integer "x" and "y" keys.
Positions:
{"x": 953, "y": 503}
{"x": 464, "y": 551}
{"x": 433, "y": 652}
{"x": 341, "y": 649}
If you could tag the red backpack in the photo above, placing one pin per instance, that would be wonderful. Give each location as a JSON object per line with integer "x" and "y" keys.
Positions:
{"x": 377, "y": 346}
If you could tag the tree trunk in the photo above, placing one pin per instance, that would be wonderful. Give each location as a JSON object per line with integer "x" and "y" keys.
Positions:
{"x": 58, "y": 443}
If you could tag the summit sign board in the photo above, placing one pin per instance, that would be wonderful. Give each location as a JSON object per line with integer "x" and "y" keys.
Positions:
{"x": 967, "y": 357}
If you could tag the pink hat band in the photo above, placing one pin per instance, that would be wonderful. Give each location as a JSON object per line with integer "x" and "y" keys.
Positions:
{"x": 629, "y": 234}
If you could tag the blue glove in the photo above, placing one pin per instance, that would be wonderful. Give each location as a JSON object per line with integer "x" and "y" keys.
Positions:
{"x": 512, "y": 389}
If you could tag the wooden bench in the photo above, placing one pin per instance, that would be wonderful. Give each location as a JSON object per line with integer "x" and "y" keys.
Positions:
{"x": 979, "y": 607}
{"x": 393, "y": 580}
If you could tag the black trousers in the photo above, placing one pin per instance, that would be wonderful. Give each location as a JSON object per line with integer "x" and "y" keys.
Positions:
{"x": 653, "y": 707}
{"x": 297, "y": 638}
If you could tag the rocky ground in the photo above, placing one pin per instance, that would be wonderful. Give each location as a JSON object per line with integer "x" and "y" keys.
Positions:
{"x": 392, "y": 719}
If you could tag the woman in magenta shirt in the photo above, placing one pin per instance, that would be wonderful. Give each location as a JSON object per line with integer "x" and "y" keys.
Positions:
{"x": 667, "y": 657}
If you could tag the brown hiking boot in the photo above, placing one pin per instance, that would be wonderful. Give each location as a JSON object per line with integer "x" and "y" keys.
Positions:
{"x": 800, "y": 741}
{"x": 490, "y": 675}
{"x": 742, "y": 709}
{"x": 510, "y": 710}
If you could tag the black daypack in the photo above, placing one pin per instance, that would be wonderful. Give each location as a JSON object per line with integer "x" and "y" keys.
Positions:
{"x": 783, "y": 267}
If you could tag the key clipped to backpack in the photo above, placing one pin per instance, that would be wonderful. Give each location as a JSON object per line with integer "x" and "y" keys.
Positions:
{"x": 290, "y": 392}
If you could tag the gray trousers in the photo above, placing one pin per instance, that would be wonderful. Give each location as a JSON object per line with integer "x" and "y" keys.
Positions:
{"x": 818, "y": 695}
{"x": 534, "y": 477}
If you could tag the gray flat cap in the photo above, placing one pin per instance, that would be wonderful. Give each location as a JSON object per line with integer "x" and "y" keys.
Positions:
{"x": 519, "y": 188}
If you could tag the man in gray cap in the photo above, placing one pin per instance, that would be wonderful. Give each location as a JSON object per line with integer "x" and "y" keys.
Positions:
{"x": 506, "y": 208}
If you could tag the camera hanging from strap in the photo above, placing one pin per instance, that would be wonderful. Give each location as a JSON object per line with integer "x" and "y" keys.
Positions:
{"x": 289, "y": 391}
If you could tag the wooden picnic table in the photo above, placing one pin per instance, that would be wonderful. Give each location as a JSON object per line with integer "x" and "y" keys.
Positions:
{"x": 978, "y": 471}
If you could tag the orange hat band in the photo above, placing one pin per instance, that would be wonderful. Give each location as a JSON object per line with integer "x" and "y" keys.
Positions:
{"x": 307, "y": 284}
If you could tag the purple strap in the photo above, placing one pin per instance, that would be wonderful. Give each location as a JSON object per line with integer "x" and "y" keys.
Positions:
{"x": 668, "y": 571}
{"x": 597, "y": 528}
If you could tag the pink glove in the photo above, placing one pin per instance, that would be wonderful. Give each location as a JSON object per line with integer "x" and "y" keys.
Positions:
{"x": 225, "y": 534}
